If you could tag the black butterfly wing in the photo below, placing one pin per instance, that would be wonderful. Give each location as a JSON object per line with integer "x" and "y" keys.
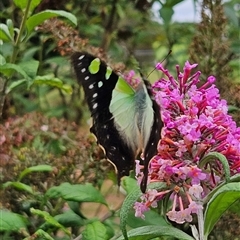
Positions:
{"x": 151, "y": 148}
{"x": 98, "y": 92}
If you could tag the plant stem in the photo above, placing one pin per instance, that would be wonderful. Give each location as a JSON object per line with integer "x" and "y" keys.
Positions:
{"x": 3, "y": 85}
{"x": 21, "y": 29}
{"x": 4, "y": 81}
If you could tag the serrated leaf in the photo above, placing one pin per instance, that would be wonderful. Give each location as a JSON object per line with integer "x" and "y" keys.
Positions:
{"x": 39, "y": 18}
{"x": 11, "y": 221}
{"x": 22, "y": 4}
{"x": 19, "y": 186}
{"x": 49, "y": 219}
{"x": 219, "y": 203}
{"x": 5, "y": 34}
{"x": 8, "y": 68}
{"x": 38, "y": 168}
{"x": 150, "y": 232}
{"x": 77, "y": 193}
{"x": 95, "y": 231}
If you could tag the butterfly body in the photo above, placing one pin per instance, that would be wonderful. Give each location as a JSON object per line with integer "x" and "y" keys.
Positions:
{"x": 126, "y": 121}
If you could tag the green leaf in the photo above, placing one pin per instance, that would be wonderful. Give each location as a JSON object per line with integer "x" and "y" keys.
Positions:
{"x": 38, "y": 168}
{"x": 15, "y": 84}
{"x": 129, "y": 184}
{"x": 66, "y": 88}
{"x": 22, "y": 4}
{"x": 110, "y": 227}
{"x": 2, "y": 59}
{"x": 166, "y": 14}
{"x": 12, "y": 222}
{"x": 39, "y": 18}
{"x": 231, "y": 14}
{"x": 49, "y": 219}
{"x": 95, "y": 231}
{"x": 59, "y": 61}
{"x": 235, "y": 178}
{"x": 235, "y": 208}
{"x": 126, "y": 207}
{"x": 19, "y": 186}
{"x": 151, "y": 218}
{"x": 8, "y": 68}
{"x": 129, "y": 202}
{"x": 212, "y": 156}
{"x": 70, "y": 219}
{"x": 74, "y": 206}
{"x": 232, "y": 108}
{"x": 67, "y": 219}
{"x": 150, "y": 232}
{"x": 219, "y": 203}
{"x": 172, "y": 3}
{"x": 5, "y": 34}
{"x": 77, "y": 193}
{"x": 52, "y": 81}
{"x": 10, "y": 27}
{"x": 30, "y": 67}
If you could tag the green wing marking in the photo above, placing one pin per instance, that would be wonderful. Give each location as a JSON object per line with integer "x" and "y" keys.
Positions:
{"x": 94, "y": 66}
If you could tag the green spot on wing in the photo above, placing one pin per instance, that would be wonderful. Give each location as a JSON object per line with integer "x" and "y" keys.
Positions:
{"x": 94, "y": 66}
{"x": 108, "y": 73}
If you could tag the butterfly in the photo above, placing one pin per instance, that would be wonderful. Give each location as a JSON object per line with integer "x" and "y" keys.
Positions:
{"x": 126, "y": 121}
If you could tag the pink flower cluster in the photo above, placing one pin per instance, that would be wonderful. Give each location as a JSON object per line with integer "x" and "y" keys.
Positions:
{"x": 196, "y": 123}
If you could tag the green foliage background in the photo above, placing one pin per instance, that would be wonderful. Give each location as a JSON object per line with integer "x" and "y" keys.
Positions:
{"x": 46, "y": 152}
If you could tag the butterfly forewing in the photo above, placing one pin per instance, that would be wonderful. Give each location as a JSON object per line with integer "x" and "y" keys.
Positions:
{"x": 98, "y": 82}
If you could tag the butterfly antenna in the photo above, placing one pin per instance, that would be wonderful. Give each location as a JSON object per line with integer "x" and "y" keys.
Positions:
{"x": 170, "y": 51}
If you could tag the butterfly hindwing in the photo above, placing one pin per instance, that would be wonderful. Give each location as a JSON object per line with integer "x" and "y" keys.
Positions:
{"x": 98, "y": 83}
